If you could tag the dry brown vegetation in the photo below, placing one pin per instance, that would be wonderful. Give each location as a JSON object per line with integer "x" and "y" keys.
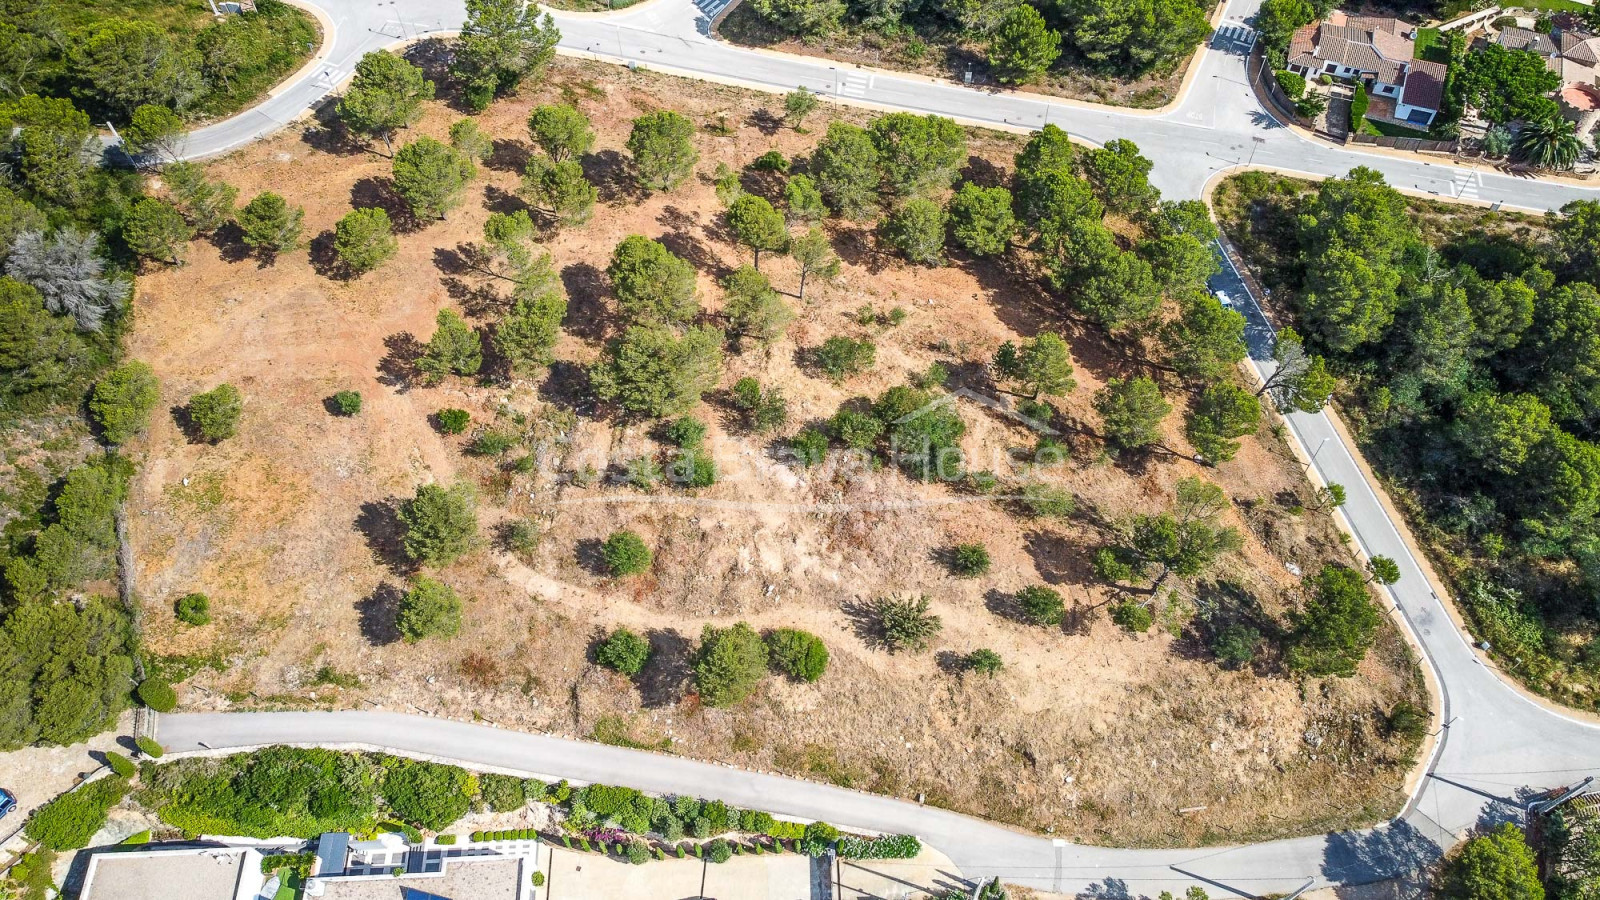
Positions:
{"x": 288, "y": 527}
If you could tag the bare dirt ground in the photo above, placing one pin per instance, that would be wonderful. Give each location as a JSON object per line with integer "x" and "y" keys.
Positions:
{"x": 1095, "y": 734}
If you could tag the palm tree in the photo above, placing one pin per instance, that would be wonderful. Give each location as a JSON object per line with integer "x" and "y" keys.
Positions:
{"x": 1548, "y": 143}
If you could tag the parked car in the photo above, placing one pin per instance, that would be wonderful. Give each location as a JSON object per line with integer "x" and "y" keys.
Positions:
{"x": 8, "y": 802}
{"x": 1224, "y": 299}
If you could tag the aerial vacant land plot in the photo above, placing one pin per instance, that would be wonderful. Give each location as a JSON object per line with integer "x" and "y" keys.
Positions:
{"x": 1105, "y": 733}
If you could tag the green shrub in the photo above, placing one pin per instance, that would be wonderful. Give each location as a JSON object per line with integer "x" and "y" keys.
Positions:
{"x": 444, "y": 839}
{"x": 984, "y": 662}
{"x": 121, "y": 402}
{"x": 193, "y": 609}
{"x": 538, "y": 879}
{"x": 149, "y": 747}
{"x": 686, "y": 432}
{"x": 1041, "y": 604}
{"x": 729, "y": 664}
{"x": 158, "y": 695}
{"x": 1132, "y": 616}
{"x": 1359, "y": 101}
{"x": 1235, "y": 645}
{"x": 215, "y": 413}
{"x": 430, "y": 608}
{"x": 626, "y": 554}
{"x": 840, "y": 357}
{"x": 122, "y": 766}
{"x": 1293, "y": 85}
{"x": 503, "y": 793}
{"x": 799, "y": 654}
{"x": 718, "y": 851}
{"x": 969, "y": 560}
{"x": 452, "y": 420}
{"x": 425, "y": 794}
{"x": 810, "y": 446}
{"x": 771, "y": 161}
{"x": 636, "y": 853}
{"x": 490, "y": 442}
{"x": 70, "y": 820}
{"x": 348, "y": 403}
{"x": 623, "y": 651}
{"x": 906, "y": 623}
{"x": 819, "y": 836}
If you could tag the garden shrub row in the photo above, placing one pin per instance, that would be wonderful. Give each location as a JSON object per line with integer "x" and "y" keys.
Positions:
{"x": 889, "y": 846}
{"x": 515, "y": 834}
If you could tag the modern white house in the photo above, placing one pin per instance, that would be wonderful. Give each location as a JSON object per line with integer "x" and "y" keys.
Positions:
{"x": 192, "y": 873}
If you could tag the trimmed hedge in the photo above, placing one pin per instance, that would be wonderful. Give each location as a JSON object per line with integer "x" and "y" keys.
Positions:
{"x": 120, "y": 764}
{"x": 444, "y": 839}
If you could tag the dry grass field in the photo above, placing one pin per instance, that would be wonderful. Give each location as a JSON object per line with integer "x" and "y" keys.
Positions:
{"x": 1100, "y": 735}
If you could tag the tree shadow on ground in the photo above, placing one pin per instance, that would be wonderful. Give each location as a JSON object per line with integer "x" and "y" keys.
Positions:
{"x": 685, "y": 245}
{"x": 765, "y": 121}
{"x": 983, "y": 173}
{"x": 587, "y": 288}
{"x": 508, "y": 156}
{"x": 857, "y": 247}
{"x": 612, "y": 176}
{"x": 566, "y": 384}
{"x": 328, "y": 135}
{"x": 380, "y": 193}
{"x": 229, "y": 241}
{"x": 325, "y": 259}
{"x": 591, "y": 557}
{"x": 1110, "y": 889}
{"x": 662, "y": 682}
{"x": 398, "y": 367}
{"x": 379, "y": 522}
{"x": 1004, "y": 604}
{"x": 499, "y": 200}
{"x": 376, "y": 614}
{"x": 865, "y": 623}
{"x": 950, "y": 662}
{"x": 1059, "y": 560}
{"x": 1395, "y": 850}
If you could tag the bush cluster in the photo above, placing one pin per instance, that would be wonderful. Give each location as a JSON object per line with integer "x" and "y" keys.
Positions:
{"x": 889, "y": 846}
{"x": 70, "y": 820}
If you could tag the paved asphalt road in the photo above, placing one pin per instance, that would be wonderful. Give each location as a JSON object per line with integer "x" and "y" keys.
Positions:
{"x": 1499, "y": 745}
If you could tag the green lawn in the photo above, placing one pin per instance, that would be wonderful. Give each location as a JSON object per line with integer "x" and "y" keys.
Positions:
{"x": 289, "y": 887}
{"x": 1553, "y": 5}
{"x": 1431, "y": 46}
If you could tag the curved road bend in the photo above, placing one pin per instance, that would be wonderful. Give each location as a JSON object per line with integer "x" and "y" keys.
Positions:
{"x": 1498, "y": 745}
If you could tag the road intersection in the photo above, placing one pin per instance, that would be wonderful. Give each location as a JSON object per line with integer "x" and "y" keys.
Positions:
{"x": 1498, "y": 745}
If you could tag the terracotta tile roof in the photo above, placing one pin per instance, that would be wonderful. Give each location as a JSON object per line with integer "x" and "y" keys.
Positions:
{"x": 1424, "y": 85}
{"x": 1580, "y": 48}
{"x": 1522, "y": 39}
{"x": 1367, "y": 44}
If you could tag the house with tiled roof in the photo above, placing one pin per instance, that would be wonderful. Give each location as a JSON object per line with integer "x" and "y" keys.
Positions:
{"x": 1378, "y": 51}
